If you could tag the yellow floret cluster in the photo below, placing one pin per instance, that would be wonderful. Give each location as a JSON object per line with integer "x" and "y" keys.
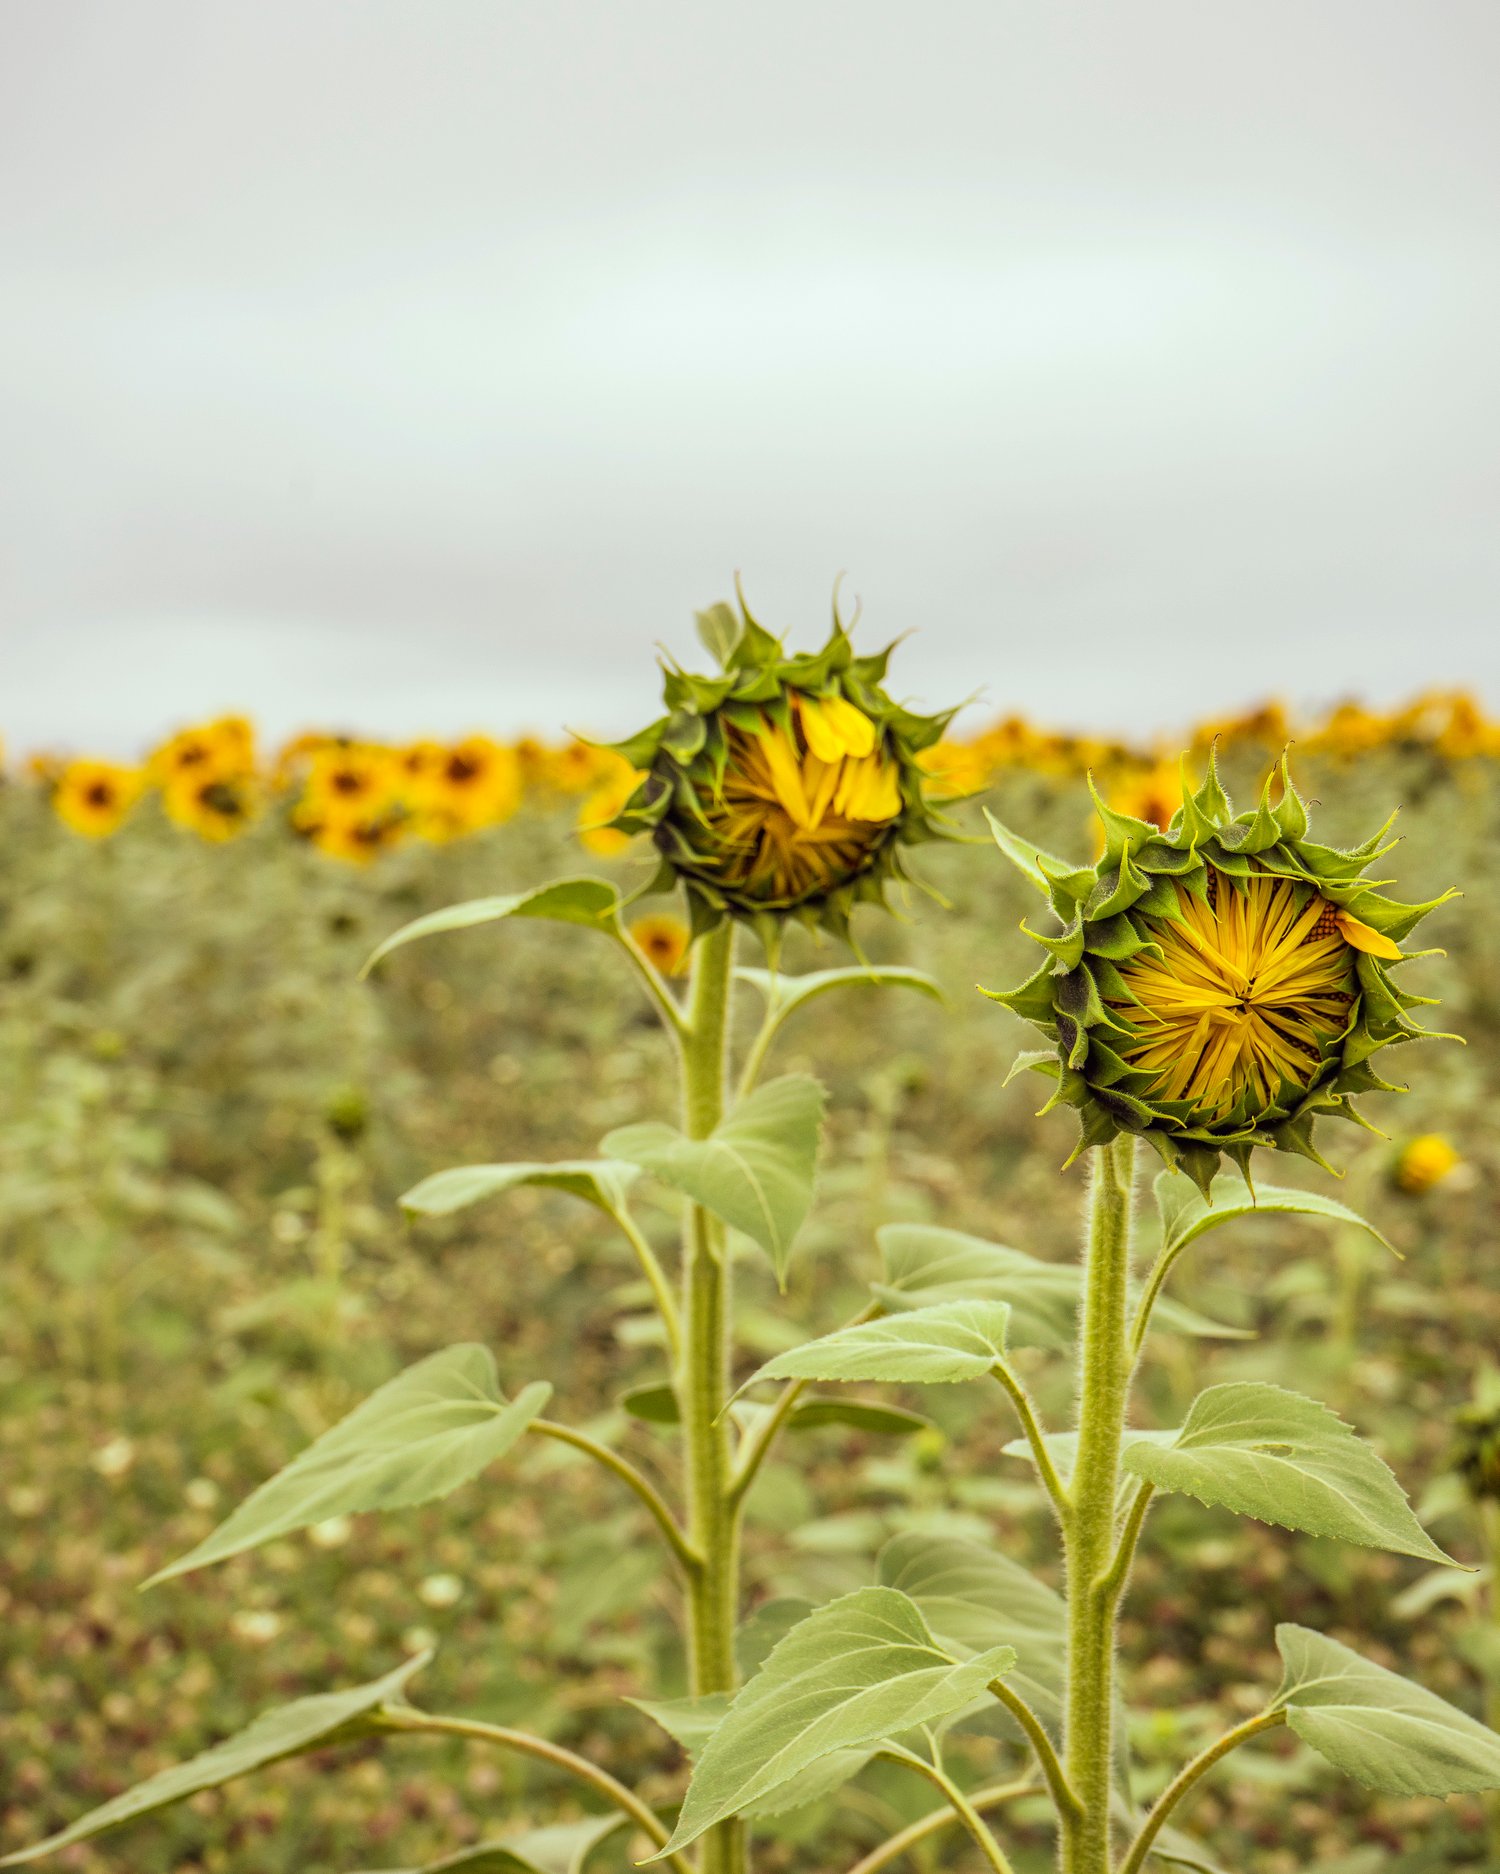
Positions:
{"x": 354, "y": 799}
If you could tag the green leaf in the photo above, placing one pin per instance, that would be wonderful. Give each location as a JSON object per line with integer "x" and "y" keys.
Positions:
{"x": 1042, "y": 869}
{"x": 288, "y": 1731}
{"x": 812, "y": 1413}
{"x": 561, "y": 1849}
{"x": 783, "y": 994}
{"x": 653, "y": 1404}
{"x": 592, "y": 902}
{"x": 1379, "y": 1728}
{"x": 755, "y": 1170}
{"x": 689, "y": 1722}
{"x": 719, "y": 630}
{"x": 854, "y": 1673}
{"x": 1275, "y": 1455}
{"x": 973, "y": 1597}
{"x": 1185, "y": 1215}
{"x": 595, "y": 1181}
{"x": 758, "y": 1632}
{"x": 925, "y": 1264}
{"x": 420, "y": 1436}
{"x": 957, "y": 1340}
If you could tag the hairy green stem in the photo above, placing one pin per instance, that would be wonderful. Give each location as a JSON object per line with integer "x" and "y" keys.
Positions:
{"x": 1105, "y": 1364}
{"x": 713, "y": 1506}
{"x": 1058, "y": 1787}
{"x": 1187, "y": 1777}
{"x": 408, "y": 1719}
{"x": 981, "y": 1801}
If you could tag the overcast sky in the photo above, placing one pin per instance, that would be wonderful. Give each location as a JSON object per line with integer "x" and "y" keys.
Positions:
{"x": 416, "y": 367}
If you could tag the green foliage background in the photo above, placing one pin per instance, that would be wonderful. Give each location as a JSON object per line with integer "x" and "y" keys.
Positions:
{"x": 205, "y": 1121}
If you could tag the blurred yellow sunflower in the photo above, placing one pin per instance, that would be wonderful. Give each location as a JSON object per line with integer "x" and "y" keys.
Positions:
{"x": 1424, "y": 1162}
{"x": 664, "y": 939}
{"x": 225, "y": 746}
{"x": 214, "y": 806}
{"x": 600, "y": 806}
{"x": 464, "y": 786}
{"x": 956, "y": 769}
{"x": 575, "y": 767}
{"x": 348, "y": 782}
{"x": 1153, "y": 794}
{"x": 93, "y": 797}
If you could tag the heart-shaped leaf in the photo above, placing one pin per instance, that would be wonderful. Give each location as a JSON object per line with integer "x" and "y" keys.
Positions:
{"x": 597, "y": 1181}
{"x": 957, "y": 1340}
{"x": 973, "y": 1597}
{"x": 1379, "y": 1728}
{"x": 854, "y": 1673}
{"x": 1275, "y": 1455}
{"x": 755, "y": 1170}
{"x": 419, "y": 1437}
{"x": 1186, "y": 1214}
{"x": 288, "y": 1731}
{"x": 925, "y": 1263}
{"x": 591, "y": 902}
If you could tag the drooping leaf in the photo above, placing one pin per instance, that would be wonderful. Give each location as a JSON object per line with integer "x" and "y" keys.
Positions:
{"x": 653, "y": 1404}
{"x": 957, "y": 1340}
{"x": 925, "y": 1263}
{"x": 689, "y": 1722}
{"x": 560, "y": 1849}
{"x": 755, "y": 1170}
{"x": 1186, "y": 1215}
{"x": 783, "y": 994}
{"x": 973, "y": 1597}
{"x": 597, "y": 1181}
{"x": 287, "y": 1731}
{"x": 1265, "y": 1452}
{"x": 1379, "y": 1728}
{"x": 813, "y": 1412}
{"x": 854, "y": 1673}
{"x": 419, "y": 1437}
{"x": 592, "y": 902}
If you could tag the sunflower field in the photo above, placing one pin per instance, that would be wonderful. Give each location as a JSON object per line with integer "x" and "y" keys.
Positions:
{"x": 207, "y": 1119}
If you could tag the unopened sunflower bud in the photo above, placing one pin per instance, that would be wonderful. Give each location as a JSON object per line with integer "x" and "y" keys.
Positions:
{"x": 1216, "y": 985}
{"x": 785, "y": 785}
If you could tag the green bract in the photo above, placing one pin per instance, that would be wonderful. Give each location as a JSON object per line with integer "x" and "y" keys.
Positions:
{"x": 1219, "y": 985}
{"x": 784, "y": 785}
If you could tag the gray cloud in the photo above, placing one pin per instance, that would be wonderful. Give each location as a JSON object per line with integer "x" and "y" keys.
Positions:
{"x": 417, "y": 368}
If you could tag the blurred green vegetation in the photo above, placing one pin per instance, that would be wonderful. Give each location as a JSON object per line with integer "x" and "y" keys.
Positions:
{"x": 205, "y": 1120}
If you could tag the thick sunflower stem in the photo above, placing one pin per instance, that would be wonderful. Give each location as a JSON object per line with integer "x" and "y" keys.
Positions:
{"x": 712, "y": 1503}
{"x": 1094, "y": 1586}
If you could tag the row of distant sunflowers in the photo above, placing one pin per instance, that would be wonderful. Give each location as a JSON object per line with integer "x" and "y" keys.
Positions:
{"x": 354, "y": 800}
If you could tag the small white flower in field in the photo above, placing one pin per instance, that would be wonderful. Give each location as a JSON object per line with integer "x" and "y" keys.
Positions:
{"x": 202, "y": 1493}
{"x": 332, "y": 1533}
{"x": 418, "y": 1639}
{"x": 258, "y": 1625}
{"x": 115, "y": 1458}
{"x": 441, "y": 1590}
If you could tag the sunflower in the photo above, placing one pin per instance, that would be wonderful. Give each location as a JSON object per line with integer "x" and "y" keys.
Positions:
{"x": 956, "y": 770}
{"x": 1153, "y": 794}
{"x": 357, "y": 839}
{"x": 1424, "y": 1162}
{"x": 664, "y": 939}
{"x": 349, "y": 782}
{"x": 93, "y": 797}
{"x": 216, "y": 807}
{"x": 575, "y": 767}
{"x": 1218, "y": 983}
{"x": 225, "y": 746}
{"x": 465, "y": 786}
{"x": 601, "y": 808}
{"x": 786, "y": 785}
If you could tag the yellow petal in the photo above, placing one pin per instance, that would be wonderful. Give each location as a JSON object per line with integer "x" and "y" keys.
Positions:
{"x": 786, "y": 774}
{"x": 819, "y": 731}
{"x": 852, "y": 726}
{"x": 869, "y": 790}
{"x": 1361, "y": 937}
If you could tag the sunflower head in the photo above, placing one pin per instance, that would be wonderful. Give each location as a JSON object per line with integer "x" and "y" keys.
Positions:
{"x": 216, "y": 807}
{"x": 94, "y": 797}
{"x": 1219, "y": 983}
{"x": 783, "y": 785}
